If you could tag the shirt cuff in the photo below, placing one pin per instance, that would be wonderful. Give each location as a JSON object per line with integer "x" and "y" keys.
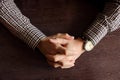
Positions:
{"x": 107, "y": 21}
{"x": 97, "y": 30}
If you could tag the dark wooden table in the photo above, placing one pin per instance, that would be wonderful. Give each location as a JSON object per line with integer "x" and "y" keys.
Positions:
{"x": 19, "y": 62}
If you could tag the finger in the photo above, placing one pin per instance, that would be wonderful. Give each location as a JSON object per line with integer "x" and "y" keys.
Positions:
{"x": 57, "y": 47}
{"x": 58, "y": 64}
{"x": 59, "y": 41}
{"x": 66, "y": 62}
{"x": 54, "y": 64}
{"x": 73, "y": 57}
{"x": 58, "y": 50}
{"x": 67, "y": 66}
{"x": 55, "y": 58}
{"x": 61, "y": 50}
{"x": 65, "y": 36}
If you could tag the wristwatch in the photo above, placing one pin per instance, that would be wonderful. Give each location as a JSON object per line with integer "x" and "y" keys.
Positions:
{"x": 88, "y": 45}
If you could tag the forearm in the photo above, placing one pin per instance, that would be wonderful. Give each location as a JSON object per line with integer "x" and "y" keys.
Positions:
{"x": 18, "y": 24}
{"x": 107, "y": 21}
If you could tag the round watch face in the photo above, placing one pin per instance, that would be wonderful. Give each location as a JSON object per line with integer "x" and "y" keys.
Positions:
{"x": 89, "y": 46}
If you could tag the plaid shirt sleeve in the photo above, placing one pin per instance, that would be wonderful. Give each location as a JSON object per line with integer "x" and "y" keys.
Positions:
{"x": 18, "y": 24}
{"x": 105, "y": 22}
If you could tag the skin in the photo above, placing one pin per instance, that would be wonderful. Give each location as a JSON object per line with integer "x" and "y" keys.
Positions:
{"x": 61, "y": 50}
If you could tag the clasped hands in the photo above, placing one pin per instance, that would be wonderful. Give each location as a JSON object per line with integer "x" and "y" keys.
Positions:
{"x": 61, "y": 50}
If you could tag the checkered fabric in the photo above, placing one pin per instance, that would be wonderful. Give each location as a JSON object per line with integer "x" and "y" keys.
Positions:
{"x": 107, "y": 21}
{"x": 20, "y": 25}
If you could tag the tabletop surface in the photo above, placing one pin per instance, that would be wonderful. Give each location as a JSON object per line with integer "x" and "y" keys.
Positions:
{"x": 19, "y": 62}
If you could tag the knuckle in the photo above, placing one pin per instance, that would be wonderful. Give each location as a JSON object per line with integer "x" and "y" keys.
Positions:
{"x": 55, "y": 58}
{"x": 66, "y": 34}
{"x": 58, "y": 34}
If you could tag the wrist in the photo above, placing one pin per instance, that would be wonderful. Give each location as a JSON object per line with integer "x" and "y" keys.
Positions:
{"x": 82, "y": 43}
{"x": 39, "y": 46}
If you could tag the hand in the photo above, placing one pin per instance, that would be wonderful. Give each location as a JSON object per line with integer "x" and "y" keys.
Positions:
{"x": 74, "y": 48}
{"x": 48, "y": 48}
{"x": 61, "y": 50}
